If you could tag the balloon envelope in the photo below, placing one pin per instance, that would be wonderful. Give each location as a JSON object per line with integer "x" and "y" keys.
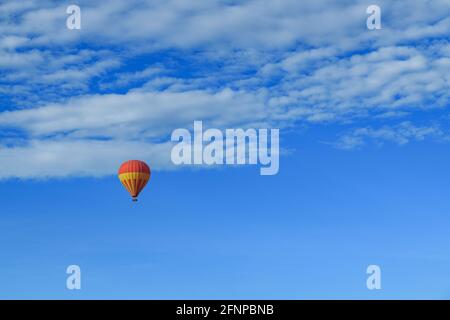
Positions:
{"x": 134, "y": 175}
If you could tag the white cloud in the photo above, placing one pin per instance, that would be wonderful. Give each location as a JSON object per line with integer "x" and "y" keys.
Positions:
{"x": 362, "y": 85}
{"x": 138, "y": 114}
{"x": 93, "y": 135}
{"x": 66, "y": 157}
{"x": 399, "y": 134}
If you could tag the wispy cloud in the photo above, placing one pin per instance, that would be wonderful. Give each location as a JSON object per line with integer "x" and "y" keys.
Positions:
{"x": 399, "y": 134}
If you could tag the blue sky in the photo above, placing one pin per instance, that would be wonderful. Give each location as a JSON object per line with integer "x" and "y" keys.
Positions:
{"x": 364, "y": 138}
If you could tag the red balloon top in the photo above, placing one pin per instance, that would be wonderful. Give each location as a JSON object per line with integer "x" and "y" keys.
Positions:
{"x": 134, "y": 166}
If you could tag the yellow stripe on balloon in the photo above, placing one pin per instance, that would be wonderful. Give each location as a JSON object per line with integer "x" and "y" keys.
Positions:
{"x": 134, "y": 181}
{"x": 134, "y": 175}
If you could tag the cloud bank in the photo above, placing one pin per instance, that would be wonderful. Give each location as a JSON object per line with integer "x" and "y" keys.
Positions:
{"x": 139, "y": 69}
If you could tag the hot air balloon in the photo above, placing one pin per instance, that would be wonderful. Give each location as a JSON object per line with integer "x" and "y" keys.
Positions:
{"x": 134, "y": 175}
